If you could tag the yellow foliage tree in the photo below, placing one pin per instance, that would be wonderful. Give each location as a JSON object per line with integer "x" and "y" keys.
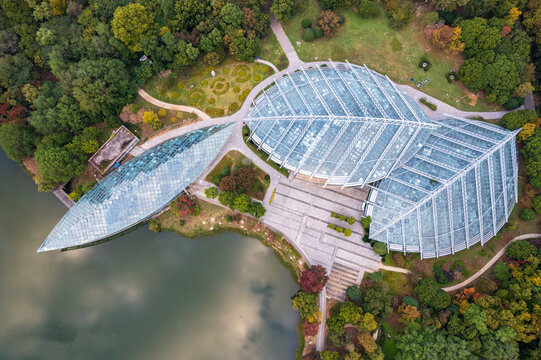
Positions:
{"x": 367, "y": 342}
{"x": 513, "y": 15}
{"x": 150, "y": 118}
{"x": 448, "y": 39}
{"x": 58, "y": 6}
{"x": 524, "y": 89}
{"x": 527, "y": 131}
{"x": 368, "y": 322}
{"x": 408, "y": 313}
{"x": 130, "y": 23}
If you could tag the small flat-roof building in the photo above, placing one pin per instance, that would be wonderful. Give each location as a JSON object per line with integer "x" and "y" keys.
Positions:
{"x": 113, "y": 150}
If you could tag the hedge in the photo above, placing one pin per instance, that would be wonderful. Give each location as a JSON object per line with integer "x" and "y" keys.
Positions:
{"x": 428, "y": 103}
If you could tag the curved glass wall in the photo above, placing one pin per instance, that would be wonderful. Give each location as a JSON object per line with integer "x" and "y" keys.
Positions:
{"x": 457, "y": 190}
{"x": 343, "y": 123}
{"x": 138, "y": 189}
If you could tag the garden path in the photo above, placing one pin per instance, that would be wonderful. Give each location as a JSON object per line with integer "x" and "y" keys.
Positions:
{"x": 169, "y": 106}
{"x": 268, "y": 63}
{"x": 489, "y": 264}
{"x": 284, "y": 42}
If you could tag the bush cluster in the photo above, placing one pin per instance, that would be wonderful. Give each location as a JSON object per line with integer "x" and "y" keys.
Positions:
{"x": 428, "y": 103}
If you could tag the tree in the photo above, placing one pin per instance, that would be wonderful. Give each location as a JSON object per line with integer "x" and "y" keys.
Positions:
{"x": 211, "y": 192}
{"x": 377, "y": 302}
{"x": 256, "y": 209}
{"x": 537, "y": 204}
{"x": 15, "y": 71}
{"x": 495, "y": 349}
{"x": 369, "y": 9}
{"x": 151, "y": 118}
{"x": 228, "y": 183}
{"x": 449, "y": 5}
{"x": 57, "y": 164}
{"x": 501, "y": 272}
{"x": 329, "y": 355}
{"x": 189, "y": 13}
{"x": 366, "y": 221}
{"x": 245, "y": 177}
{"x": 520, "y": 250}
{"x": 231, "y": 15}
{"x": 427, "y": 343}
{"x": 431, "y": 295}
{"x": 328, "y": 22}
{"x": 242, "y": 203}
{"x": 500, "y": 78}
{"x": 401, "y": 15}
{"x": 354, "y": 293}
{"x": 448, "y": 39}
{"x": 471, "y": 74}
{"x": 283, "y": 10}
{"x": 310, "y": 328}
{"x": 306, "y": 304}
{"x": 245, "y": 49}
{"x": 226, "y": 198}
{"x": 367, "y": 342}
{"x": 527, "y": 130}
{"x": 186, "y": 54}
{"x": 408, "y": 313}
{"x": 313, "y": 279}
{"x": 131, "y": 23}
{"x": 474, "y": 315}
{"x": 17, "y": 141}
{"x": 516, "y": 119}
{"x": 102, "y": 86}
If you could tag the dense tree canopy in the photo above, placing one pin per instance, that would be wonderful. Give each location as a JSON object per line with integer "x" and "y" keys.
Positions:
{"x": 131, "y": 23}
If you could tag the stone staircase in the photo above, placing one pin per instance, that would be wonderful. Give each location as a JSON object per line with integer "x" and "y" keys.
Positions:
{"x": 340, "y": 279}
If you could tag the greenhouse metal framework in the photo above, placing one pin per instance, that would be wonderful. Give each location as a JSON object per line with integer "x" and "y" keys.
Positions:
{"x": 138, "y": 189}
{"x": 436, "y": 187}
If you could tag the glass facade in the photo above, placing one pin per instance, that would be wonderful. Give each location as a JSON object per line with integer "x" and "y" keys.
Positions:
{"x": 138, "y": 189}
{"x": 457, "y": 190}
{"x": 343, "y": 123}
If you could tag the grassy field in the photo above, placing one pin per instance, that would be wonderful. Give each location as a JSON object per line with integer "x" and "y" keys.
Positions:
{"x": 395, "y": 53}
{"x": 233, "y": 160}
{"x": 272, "y": 51}
{"x": 213, "y": 219}
{"x": 218, "y": 95}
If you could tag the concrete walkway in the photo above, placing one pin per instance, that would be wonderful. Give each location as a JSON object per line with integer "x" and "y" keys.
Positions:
{"x": 489, "y": 264}
{"x": 169, "y": 106}
{"x": 320, "y": 339}
{"x": 284, "y": 42}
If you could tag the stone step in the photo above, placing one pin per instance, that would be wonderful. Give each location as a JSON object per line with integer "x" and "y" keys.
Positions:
{"x": 340, "y": 278}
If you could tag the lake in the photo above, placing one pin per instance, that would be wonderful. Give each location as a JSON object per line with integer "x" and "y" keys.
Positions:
{"x": 142, "y": 296}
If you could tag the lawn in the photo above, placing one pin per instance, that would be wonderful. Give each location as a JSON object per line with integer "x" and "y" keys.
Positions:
{"x": 395, "y": 53}
{"x": 272, "y": 51}
{"x": 389, "y": 347}
{"x": 218, "y": 95}
{"x": 232, "y": 161}
{"x": 263, "y": 155}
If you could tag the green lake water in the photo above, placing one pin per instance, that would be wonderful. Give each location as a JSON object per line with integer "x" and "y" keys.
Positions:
{"x": 141, "y": 296}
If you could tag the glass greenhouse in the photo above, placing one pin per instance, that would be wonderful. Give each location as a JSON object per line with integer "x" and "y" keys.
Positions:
{"x": 345, "y": 123}
{"x": 457, "y": 190}
{"x": 138, "y": 189}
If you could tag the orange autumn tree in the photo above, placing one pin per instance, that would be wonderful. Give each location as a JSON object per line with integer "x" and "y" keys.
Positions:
{"x": 408, "y": 313}
{"x": 449, "y": 39}
{"x": 58, "y": 6}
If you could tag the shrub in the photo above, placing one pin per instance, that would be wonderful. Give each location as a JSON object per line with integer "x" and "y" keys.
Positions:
{"x": 226, "y": 198}
{"x": 339, "y": 229}
{"x": 451, "y": 76}
{"x": 310, "y": 328}
{"x": 537, "y": 204}
{"x": 228, "y": 183}
{"x": 318, "y": 32}
{"x": 225, "y": 71}
{"x": 173, "y": 119}
{"x": 204, "y": 82}
{"x": 313, "y": 279}
{"x": 430, "y": 18}
{"x": 424, "y": 63}
{"x": 368, "y": 8}
{"x": 134, "y": 108}
{"x": 212, "y": 101}
{"x": 216, "y": 112}
{"x": 213, "y": 58}
{"x": 75, "y": 195}
{"x": 154, "y": 225}
{"x": 242, "y": 203}
{"x": 175, "y": 95}
{"x": 401, "y": 15}
{"x": 342, "y": 217}
{"x": 233, "y": 107}
{"x": 347, "y": 232}
{"x": 256, "y": 209}
{"x": 236, "y": 89}
{"x": 527, "y": 214}
{"x": 308, "y": 35}
{"x": 354, "y": 293}
{"x": 514, "y": 103}
{"x": 162, "y": 112}
{"x": 267, "y": 177}
{"x": 334, "y": 215}
{"x": 341, "y": 19}
{"x": 225, "y": 171}
{"x": 329, "y": 355}
{"x": 211, "y": 192}
{"x": 150, "y": 118}
{"x": 520, "y": 250}
{"x": 366, "y": 221}
{"x": 228, "y": 218}
{"x": 329, "y": 22}
{"x": 331, "y": 226}
{"x": 410, "y": 300}
{"x": 350, "y": 220}
{"x": 380, "y": 248}
{"x": 257, "y": 77}
{"x": 424, "y": 101}
{"x": 306, "y": 23}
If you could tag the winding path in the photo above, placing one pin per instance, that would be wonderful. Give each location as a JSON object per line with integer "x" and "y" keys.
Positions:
{"x": 169, "y": 106}
{"x": 489, "y": 264}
